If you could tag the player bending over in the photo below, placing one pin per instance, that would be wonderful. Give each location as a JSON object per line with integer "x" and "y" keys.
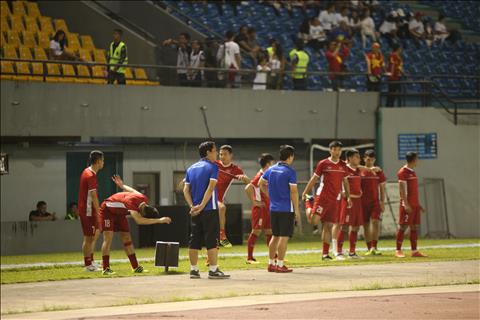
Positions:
{"x": 260, "y": 208}
{"x": 113, "y": 213}
{"x": 410, "y": 208}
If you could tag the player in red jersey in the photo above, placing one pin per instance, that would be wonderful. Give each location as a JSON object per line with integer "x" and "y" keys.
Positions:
{"x": 332, "y": 172}
{"x": 227, "y": 172}
{"x": 88, "y": 208}
{"x": 410, "y": 208}
{"x": 351, "y": 216}
{"x": 260, "y": 208}
{"x": 113, "y": 213}
{"x": 373, "y": 202}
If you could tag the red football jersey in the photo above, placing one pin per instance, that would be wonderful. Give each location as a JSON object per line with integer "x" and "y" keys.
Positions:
{"x": 410, "y": 177}
{"x": 331, "y": 176}
{"x": 121, "y": 202}
{"x": 370, "y": 184}
{"x": 88, "y": 182}
{"x": 226, "y": 174}
{"x": 354, "y": 181}
{"x": 260, "y": 196}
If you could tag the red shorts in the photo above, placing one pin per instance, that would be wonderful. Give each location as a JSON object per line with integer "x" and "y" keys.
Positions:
{"x": 371, "y": 210}
{"x": 328, "y": 210}
{"x": 89, "y": 224}
{"x": 111, "y": 221}
{"x": 261, "y": 218}
{"x": 409, "y": 219}
{"x": 351, "y": 216}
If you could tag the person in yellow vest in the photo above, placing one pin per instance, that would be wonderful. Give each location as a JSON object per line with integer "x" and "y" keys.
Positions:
{"x": 299, "y": 61}
{"x": 117, "y": 54}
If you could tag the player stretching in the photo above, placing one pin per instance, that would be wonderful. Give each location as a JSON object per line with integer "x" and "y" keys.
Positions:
{"x": 332, "y": 172}
{"x": 227, "y": 171}
{"x": 281, "y": 180}
{"x": 113, "y": 213}
{"x": 260, "y": 208}
{"x": 410, "y": 208}
{"x": 88, "y": 208}
{"x": 353, "y": 216}
{"x": 373, "y": 204}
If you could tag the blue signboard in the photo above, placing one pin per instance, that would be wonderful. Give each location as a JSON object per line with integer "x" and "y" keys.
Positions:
{"x": 425, "y": 144}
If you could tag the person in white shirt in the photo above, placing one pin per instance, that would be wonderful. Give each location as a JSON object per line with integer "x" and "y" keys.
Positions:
{"x": 367, "y": 29}
{"x": 277, "y": 63}
{"x": 197, "y": 60}
{"x": 317, "y": 36}
{"x": 328, "y": 18}
{"x": 58, "y": 48}
{"x": 440, "y": 30}
{"x": 416, "y": 28}
{"x": 388, "y": 29}
{"x": 182, "y": 45}
{"x": 260, "y": 81}
{"x": 229, "y": 57}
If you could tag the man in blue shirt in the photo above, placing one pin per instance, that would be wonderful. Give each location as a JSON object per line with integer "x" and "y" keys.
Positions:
{"x": 281, "y": 181}
{"x": 201, "y": 195}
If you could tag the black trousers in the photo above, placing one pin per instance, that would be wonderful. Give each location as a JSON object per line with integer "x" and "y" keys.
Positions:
{"x": 373, "y": 86}
{"x": 300, "y": 84}
{"x": 113, "y": 75}
{"x": 392, "y": 88}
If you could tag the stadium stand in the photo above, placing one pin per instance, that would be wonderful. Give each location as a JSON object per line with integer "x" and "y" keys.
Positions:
{"x": 25, "y": 31}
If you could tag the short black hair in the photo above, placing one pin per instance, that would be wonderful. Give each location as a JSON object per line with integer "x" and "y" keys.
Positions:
{"x": 119, "y": 31}
{"x": 149, "y": 211}
{"x": 229, "y": 34}
{"x": 95, "y": 155}
{"x": 334, "y": 144}
{"x": 351, "y": 153}
{"x": 41, "y": 203}
{"x": 186, "y": 35}
{"x": 227, "y": 147}
{"x": 286, "y": 151}
{"x": 299, "y": 44}
{"x": 411, "y": 156}
{"x": 72, "y": 204}
{"x": 204, "y": 147}
{"x": 370, "y": 153}
{"x": 264, "y": 159}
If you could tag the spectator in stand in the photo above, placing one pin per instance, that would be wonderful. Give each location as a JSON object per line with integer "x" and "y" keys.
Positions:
{"x": 277, "y": 65}
{"x": 253, "y": 43}
{"x": 263, "y": 69}
{"x": 416, "y": 28}
{"x": 402, "y": 24}
{"x": 367, "y": 28}
{"x": 375, "y": 67}
{"x": 304, "y": 31}
{"x": 72, "y": 213}
{"x": 229, "y": 57}
{"x": 211, "y": 62}
{"x": 299, "y": 60}
{"x": 243, "y": 40}
{"x": 336, "y": 55}
{"x": 341, "y": 31}
{"x": 58, "y": 48}
{"x": 317, "y": 36}
{"x": 117, "y": 54}
{"x": 355, "y": 23}
{"x": 41, "y": 213}
{"x": 395, "y": 72}
{"x": 328, "y": 18}
{"x": 388, "y": 29}
{"x": 197, "y": 60}
{"x": 182, "y": 45}
{"x": 429, "y": 35}
{"x": 344, "y": 16}
{"x": 442, "y": 33}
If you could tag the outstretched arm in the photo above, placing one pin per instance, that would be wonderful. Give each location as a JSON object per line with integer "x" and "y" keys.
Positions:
{"x": 119, "y": 182}
{"x": 311, "y": 183}
{"x": 142, "y": 220}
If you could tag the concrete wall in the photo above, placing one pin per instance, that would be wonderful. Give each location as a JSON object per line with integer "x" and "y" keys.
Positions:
{"x": 46, "y": 109}
{"x": 458, "y": 161}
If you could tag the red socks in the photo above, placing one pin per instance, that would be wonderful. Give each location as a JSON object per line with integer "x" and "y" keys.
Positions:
{"x": 268, "y": 238}
{"x": 133, "y": 260}
{"x": 374, "y": 244}
{"x": 400, "y": 234}
{"x": 369, "y": 244}
{"x": 413, "y": 239}
{"x": 87, "y": 261}
{"x": 106, "y": 262}
{"x": 340, "y": 239}
{"x": 353, "y": 241}
{"x": 252, "y": 238}
{"x": 326, "y": 247}
{"x": 222, "y": 234}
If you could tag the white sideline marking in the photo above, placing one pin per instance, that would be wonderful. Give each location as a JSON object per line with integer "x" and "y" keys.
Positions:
{"x": 222, "y": 255}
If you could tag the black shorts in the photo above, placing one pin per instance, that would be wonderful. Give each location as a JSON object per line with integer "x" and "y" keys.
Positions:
{"x": 205, "y": 230}
{"x": 282, "y": 223}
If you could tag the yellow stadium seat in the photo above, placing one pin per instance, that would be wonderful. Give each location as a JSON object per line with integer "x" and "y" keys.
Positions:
{"x": 46, "y": 25}
{"x": 98, "y": 73}
{"x": 83, "y": 74}
{"x": 13, "y": 38}
{"x": 31, "y": 24}
{"x": 28, "y": 38}
{"x": 99, "y": 56}
{"x": 37, "y": 69}
{"x": 73, "y": 43}
{"x": 39, "y": 54}
{"x": 2, "y": 40}
{"x": 140, "y": 74}
{"x": 9, "y": 52}
{"x": 4, "y": 9}
{"x": 25, "y": 53}
{"x": 43, "y": 39}
{"x": 85, "y": 55}
{"x": 17, "y": 23}
{"x": 60, "y": 24}
{"x": 7, "y": 72}
{"x": 19, "y": 8}
{"x": 23, "y": 71}
{"x": 32, "y": 9}
{"x": 53, "y": 73}
{"x": 87, "y": 42}
{"x": 4, "y": 26}
{"x": 68, "y": 72}
{"x": 128, "y": 73}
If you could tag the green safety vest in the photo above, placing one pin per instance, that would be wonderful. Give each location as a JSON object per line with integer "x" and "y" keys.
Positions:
{"x": 115, "y": 56}
{"x": 301, "y": 67}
